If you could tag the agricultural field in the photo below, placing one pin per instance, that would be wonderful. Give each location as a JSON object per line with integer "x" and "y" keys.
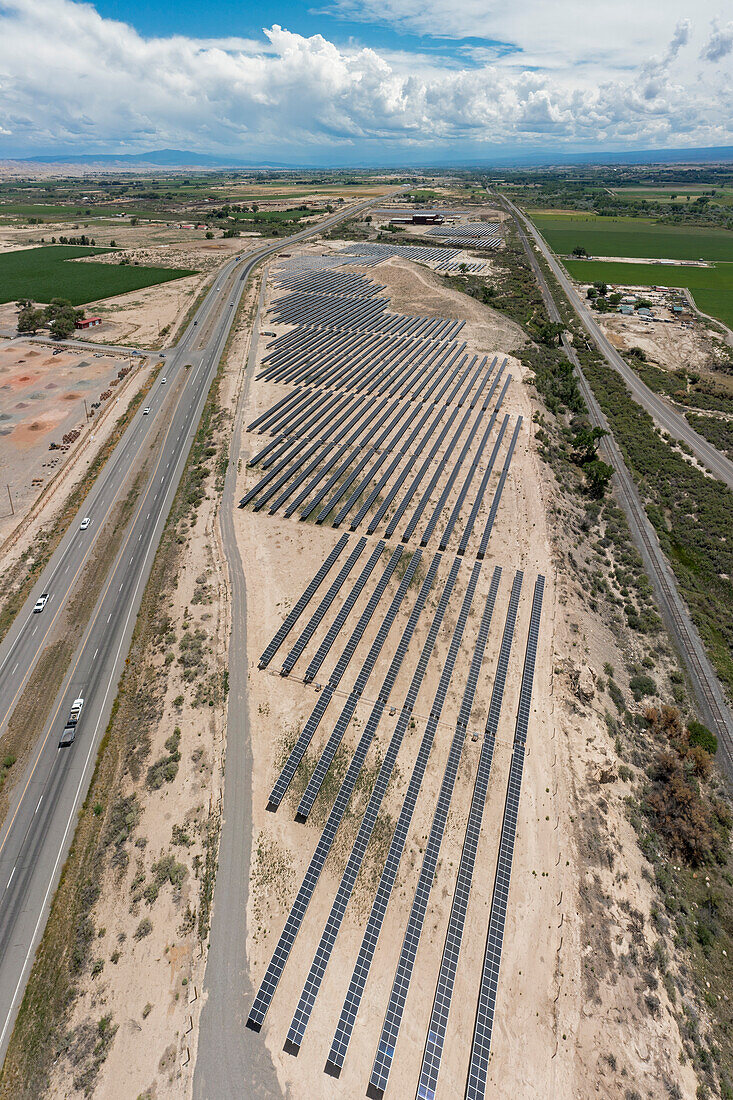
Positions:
{"x": 45, "y": 273}
{"x": 711, "y": 287}
{"x": 676, "y": 193}
{"x": 71, "y": 212}
{"x": 633, "y": 237}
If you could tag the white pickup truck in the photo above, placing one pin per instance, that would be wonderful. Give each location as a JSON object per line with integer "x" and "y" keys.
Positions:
{"x": 68, "y": 736}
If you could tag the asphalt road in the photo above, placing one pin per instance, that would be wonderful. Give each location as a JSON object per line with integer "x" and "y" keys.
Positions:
{"x": 665, "y": 416}
{"x": 710, "y": 696}
{"x": 38, "y": 830}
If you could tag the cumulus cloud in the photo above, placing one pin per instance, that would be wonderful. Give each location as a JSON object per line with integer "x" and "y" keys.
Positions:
{"x": 72, "y": 80}
{"x": 719, "y": 44}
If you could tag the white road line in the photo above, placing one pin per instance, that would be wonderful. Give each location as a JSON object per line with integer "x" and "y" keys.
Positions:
{"x": 11, "y": 877}
{"x": 109, "y": 616}
{"x": 16, "y": 665}
{"x": 96, "y": 651}
{"x": 40, "y": 800}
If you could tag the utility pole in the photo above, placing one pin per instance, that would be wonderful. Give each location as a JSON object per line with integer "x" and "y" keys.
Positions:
{"x": 12, "y": 510}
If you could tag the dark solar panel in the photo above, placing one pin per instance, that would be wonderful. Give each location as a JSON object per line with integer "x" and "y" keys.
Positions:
{"x": 481, "y": 1046}
{"x": 428, "y": 1080}
{"x": 396, "y": 1005}
{"x": 387, "y": 880}
{"x": 302, "y": 603}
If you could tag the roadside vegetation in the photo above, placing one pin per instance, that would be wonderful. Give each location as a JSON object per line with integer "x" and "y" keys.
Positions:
{"x": 674, "y": 795}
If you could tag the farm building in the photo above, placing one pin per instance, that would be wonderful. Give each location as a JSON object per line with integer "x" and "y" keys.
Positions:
{"x": 89, "y": 322}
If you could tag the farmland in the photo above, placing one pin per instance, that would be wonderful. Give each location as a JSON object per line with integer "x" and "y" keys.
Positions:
{"x": 633, "y": 237}
{"x": 45, "y": 273}
{"x": 676, "y": 193}
{"x": 712, "y": 287}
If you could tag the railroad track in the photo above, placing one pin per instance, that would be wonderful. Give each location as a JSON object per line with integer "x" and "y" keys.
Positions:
{"x": 707, "y": 688}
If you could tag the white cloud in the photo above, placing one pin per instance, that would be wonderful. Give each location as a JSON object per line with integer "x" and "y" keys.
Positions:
{"x": 70, "y": 79}
{"x": 719, "y": 45}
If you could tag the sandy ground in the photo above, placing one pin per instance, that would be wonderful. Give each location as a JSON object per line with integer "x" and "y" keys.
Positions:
{"x": 551, "y": 1033}
{"x": 41, "y": 399}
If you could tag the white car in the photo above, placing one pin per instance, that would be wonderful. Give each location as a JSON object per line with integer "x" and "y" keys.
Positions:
{"x": 146, "y": 410}
{"x": 40, "y": 603}
{"x": 84, "y": 523}
{"x": 163, "y": 381}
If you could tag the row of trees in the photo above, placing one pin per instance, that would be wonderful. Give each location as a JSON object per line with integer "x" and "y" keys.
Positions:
{"x": 59, "y": 315}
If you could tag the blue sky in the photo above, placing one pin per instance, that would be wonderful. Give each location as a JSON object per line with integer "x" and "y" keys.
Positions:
{"x": 363, "y": 81}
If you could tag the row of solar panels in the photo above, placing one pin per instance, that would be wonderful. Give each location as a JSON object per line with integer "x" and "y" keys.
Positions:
{"x": 467, "y": 229}
{"x": 311, "y": 309}
{"x": 444, "y": 990}
{"x": 363, "y": 362}
{"x": 327, "y": 469}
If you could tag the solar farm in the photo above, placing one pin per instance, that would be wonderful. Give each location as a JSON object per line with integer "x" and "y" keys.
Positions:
{"x": 393, "y": 653}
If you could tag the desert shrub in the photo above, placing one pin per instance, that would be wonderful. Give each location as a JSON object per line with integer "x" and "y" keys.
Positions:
{"x": 702, "y": 736}
{"x": 642, "y": 685}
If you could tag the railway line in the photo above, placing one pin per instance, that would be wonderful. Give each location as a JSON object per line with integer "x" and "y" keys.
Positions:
{"x": 711, "y": 699}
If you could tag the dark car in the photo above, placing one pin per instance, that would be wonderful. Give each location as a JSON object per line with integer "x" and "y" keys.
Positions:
{"x": 67, "y": 737}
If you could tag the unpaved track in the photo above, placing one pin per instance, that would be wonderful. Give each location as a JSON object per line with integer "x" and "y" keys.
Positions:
{"x": 228, "y": 1065}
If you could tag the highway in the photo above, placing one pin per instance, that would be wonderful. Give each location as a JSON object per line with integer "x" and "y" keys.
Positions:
{"x": 38, "y": 829}
{"x": 666, "y": 417}
{"x": 710, "y": 696}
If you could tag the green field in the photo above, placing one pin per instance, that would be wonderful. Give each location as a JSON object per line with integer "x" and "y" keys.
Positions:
{"x": 712, "y": 287}
{"x": 45, "y": 273}
{"x": 72, "y": 213}
{"x": 723, "y": 195}
{"x": 640, "y": 237}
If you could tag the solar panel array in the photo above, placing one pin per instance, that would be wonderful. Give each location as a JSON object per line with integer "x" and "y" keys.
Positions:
{"x": 302, "y": 603}
{"x": 477, "y": 234}
{"x": 358, "y": 851}
{"x": 395, "y": 1007}
{"x": 306, "y": 735}
{"x": 387, "y": 419}
{"x": 375, "y": 408}
{"x": 294, "y": 921}
{"x": 349, "y": 1012}
{"x": 430, "y": 1068}
{"x": 481, "y": 1046}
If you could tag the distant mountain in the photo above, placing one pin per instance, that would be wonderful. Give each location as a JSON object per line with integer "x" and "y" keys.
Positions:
{"x": 165, "y": 158}
{"x": 503, "y": 157}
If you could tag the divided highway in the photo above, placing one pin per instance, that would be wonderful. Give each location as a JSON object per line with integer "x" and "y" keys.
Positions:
{"x": 37, "y": 833}
{"x": 665, "y": 416}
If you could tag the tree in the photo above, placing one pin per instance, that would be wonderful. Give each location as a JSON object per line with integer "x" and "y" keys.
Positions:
{"x": 579, "y": 251}
{"x": 30, "y": 319}
{"x": 61, "y": 317}
{"x": 62, "y": 327}
{"x": 598, "y": 474}
{"x": 602, "y": 288}
{"x": 585, "y": 444}
{"x": 209, "y": 235}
